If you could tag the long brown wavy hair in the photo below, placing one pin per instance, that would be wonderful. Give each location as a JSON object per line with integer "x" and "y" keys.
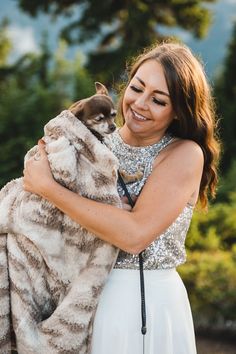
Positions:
{"x": 192, "y": 101}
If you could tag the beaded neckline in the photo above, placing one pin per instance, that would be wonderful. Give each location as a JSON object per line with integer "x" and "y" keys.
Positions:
{"x": 136, "y": 159}
{"x": 162, "y": 142}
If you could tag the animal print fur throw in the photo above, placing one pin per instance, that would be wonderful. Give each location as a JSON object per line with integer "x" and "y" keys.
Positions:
{"x": 52, "y": 270}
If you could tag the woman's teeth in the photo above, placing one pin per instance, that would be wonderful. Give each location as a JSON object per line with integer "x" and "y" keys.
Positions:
{"x": 138, "y": 116}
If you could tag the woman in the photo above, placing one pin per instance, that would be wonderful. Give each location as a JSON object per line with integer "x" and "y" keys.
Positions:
{"x": 168, "y": 134}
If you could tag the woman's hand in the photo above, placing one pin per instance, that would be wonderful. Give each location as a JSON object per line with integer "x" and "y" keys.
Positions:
{"x": 125, "y": 202}
{"x": 37, "y": 173}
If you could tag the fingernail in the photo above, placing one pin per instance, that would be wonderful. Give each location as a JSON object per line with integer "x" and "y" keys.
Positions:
{"x": 40, "y": 141}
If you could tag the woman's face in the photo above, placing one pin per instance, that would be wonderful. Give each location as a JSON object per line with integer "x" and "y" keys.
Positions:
{"x": 146, "y": 105}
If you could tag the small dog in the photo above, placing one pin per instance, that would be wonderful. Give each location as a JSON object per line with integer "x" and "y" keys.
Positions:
{"x": 96, "y": 112}
{"x": 98, "y": 115}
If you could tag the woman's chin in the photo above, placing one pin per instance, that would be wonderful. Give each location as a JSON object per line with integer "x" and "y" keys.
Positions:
{"x": 136, "y": 126}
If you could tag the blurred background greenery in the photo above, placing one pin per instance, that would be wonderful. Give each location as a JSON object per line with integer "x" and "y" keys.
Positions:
{"x": 93, "y": 43}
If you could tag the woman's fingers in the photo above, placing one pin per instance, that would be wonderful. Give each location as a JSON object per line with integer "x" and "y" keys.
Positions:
{"x": 37, "y": 172}
{"x": 126, "y": 207}
{"x": 125, "y": 199}
{"x": 41, "y": 146}
{"x": 125, "y": 202}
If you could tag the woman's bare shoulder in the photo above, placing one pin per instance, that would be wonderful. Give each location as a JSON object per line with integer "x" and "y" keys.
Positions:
{"x": 181, "y": 150}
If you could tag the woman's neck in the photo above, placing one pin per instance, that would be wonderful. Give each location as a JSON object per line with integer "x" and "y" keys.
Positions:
{"x": 138, "y": 140}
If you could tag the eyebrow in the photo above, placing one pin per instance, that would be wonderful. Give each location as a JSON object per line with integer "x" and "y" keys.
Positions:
{"x": 156, "y": 91}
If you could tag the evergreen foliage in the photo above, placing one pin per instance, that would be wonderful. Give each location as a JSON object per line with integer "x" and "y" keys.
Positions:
{"x": 120, "y": 28}
{"x": 210, "y": 278}
{"x": 210, "y": 272}
{"x": 5, "y": 44}
{"x": 32, "y": 91}
{"x": 225, "y": 91}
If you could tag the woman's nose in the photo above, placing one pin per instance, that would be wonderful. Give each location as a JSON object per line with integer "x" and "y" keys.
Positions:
{"x": 141, "y": 102}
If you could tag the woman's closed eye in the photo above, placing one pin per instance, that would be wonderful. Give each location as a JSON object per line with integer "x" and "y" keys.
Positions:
{"x": 154, "y": 99}
{"x": 136, "y": 89}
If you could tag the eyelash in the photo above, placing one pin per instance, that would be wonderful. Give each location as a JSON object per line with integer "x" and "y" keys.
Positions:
{"x": 134, "y": 88}
{"x": 155, "y": 100}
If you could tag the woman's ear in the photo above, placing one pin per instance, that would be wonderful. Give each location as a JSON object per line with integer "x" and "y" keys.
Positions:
{"x": 101, "y": 89}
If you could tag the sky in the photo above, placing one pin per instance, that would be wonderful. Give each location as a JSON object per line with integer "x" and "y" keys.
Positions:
{"x": 26, "y": 32}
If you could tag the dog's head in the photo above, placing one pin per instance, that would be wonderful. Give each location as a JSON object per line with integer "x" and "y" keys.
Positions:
{"x": 96, "y": 112}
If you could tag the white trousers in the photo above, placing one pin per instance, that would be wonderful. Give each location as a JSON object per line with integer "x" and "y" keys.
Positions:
{"x": 117, "y": 325}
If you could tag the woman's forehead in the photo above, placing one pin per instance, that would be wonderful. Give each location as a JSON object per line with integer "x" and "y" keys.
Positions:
{"x": 151, "y": 74}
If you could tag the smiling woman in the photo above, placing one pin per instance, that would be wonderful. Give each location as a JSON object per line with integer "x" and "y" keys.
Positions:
{"x": 147, "y": 107}
{"x": 169, "y": 135}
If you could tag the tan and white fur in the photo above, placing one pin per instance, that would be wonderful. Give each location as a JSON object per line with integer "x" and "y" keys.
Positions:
{"x": 97, "y": 112}
{"x": 52, "y": 271}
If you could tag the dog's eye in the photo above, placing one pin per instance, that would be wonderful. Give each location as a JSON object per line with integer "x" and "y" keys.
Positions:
{"x": 99, "y": 118}
{"x": 113, "y": 113}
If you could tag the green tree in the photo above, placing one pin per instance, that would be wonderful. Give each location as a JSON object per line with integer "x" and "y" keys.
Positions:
{"x": 32, "y": 91}
{"x": 227, "y": 185}
{"x": 210, "y": 273}
{"x": 210, "y": 278}
{"x": 225, "y": 90}
{"x": 119, "y": 29}
{"x": 5, "y": 44}
{"x": 215, "y": 229}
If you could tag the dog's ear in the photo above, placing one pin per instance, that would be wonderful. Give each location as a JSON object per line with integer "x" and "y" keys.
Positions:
{"x": 77, "y": 108}
{"x": 101, "y": 89}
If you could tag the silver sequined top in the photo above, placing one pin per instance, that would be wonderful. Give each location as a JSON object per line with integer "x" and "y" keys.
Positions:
{"x": 168, "y": 250}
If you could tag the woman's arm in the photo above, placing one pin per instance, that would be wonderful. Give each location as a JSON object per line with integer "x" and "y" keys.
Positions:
{"x": 163, "y": 197}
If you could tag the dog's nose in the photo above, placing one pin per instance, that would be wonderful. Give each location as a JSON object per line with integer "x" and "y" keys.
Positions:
{"x": 112, "y": 127}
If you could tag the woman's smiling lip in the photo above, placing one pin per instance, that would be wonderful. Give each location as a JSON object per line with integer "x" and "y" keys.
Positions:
{"x": 138, "y": 116}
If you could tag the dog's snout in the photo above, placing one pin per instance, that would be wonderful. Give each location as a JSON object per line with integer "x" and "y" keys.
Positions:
{"x": 112, "y": 127}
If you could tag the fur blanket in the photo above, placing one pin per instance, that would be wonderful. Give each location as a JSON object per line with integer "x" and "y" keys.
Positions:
{"x": 52, "y": 270}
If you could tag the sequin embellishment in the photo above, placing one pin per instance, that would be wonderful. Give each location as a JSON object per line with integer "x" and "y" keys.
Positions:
{"x": 168, "y": 250}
